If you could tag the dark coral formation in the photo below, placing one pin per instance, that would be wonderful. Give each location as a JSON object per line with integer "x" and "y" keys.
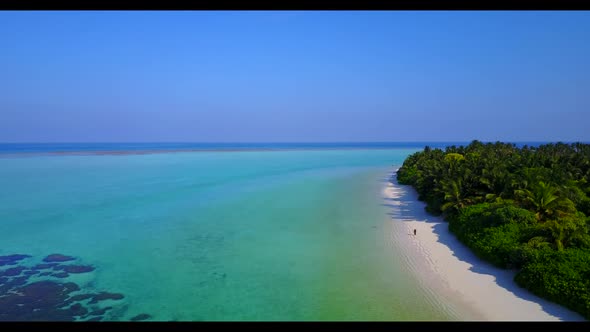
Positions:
{"x": 34, "y": 293}
{"x": 58, "y": 258}
{"x": 141, "y": 317}
{"x": 77, "y": 268}
{"x": 105, "y": 296}
{"x": 81, "y": 297}
{"x": 12, "y": 259}
{"x": 100, "y": 312}
{"x": 44, "y": 266}
{"x": 11, "y": 272}
{"x": 60, "y": 275}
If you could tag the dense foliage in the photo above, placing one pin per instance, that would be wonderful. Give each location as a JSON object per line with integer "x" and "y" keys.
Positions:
{"x": 524, "y": 208}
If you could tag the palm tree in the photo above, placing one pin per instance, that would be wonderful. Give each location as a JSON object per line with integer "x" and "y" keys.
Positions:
{"x": 494, "y": 182}
{"x": 454, "y": 200}
{"x": 544, "y": 199}
{"x": 563, "y": 231}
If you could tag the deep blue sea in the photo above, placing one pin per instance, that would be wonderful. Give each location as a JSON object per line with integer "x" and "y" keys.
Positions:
{"x": 11, "y": 148}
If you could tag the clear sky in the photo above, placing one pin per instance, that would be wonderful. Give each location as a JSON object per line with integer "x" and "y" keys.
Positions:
{"x": 288, "y": 76}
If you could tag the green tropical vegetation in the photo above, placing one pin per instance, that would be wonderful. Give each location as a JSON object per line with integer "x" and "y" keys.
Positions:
{"x": 525, "y": 208}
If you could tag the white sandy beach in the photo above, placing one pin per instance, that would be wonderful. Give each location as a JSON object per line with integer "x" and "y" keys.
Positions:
{"x": 477, "y": 289}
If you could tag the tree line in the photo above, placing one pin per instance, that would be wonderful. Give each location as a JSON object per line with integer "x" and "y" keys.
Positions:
{"x": 523, "y": 208}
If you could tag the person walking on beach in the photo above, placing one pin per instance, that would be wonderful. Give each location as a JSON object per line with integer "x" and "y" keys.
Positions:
{"x": 414, "y": 231}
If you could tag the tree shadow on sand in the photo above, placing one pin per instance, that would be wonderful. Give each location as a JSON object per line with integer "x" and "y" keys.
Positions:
{"x": 406, "y": 207}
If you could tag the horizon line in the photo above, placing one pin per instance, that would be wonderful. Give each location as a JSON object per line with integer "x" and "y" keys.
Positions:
{"x": 290, "y": 142}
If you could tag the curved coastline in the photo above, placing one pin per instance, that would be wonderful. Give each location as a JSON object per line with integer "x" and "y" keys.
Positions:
{"x": 484, "y": 292}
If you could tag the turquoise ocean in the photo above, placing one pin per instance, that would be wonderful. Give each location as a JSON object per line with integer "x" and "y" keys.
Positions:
{"x": 286, "y": 234}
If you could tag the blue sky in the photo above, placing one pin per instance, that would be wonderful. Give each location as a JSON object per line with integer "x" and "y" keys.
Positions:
{"x": 288, "y": 76}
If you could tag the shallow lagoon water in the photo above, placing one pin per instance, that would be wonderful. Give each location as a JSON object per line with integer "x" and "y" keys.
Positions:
{"x": 251, "y": 235}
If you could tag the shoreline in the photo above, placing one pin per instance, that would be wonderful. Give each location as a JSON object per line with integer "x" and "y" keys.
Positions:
{"x": 476, "y": 288}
